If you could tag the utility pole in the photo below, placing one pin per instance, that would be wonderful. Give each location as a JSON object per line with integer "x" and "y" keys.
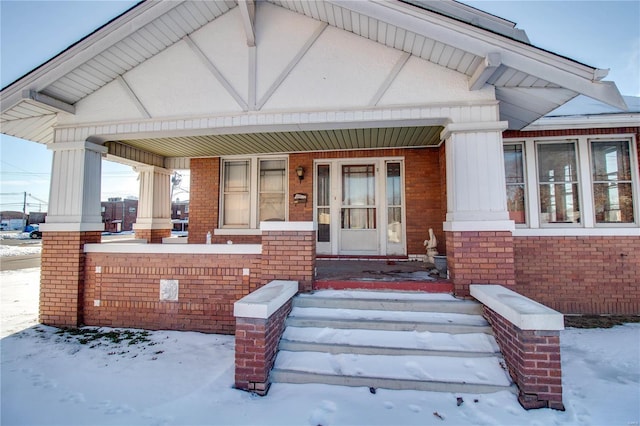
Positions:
{"x": 24, "y": 210}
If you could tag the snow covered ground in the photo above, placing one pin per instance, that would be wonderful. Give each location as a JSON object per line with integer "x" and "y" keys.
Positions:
{"x": 133, "y": 377}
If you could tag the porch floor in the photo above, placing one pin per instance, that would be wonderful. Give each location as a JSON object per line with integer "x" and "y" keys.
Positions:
{"x": 339, "y": 274}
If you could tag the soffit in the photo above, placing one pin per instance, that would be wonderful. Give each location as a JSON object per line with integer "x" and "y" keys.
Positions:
{"x": 165, "y": 23}
{"x": 284, "y": 142}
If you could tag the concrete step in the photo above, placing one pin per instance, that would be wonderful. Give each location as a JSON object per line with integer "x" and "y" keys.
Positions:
{"x": 393, "y": 302}
{"x": 393, "y": 340}
{"x": 431, "y": 373}
{"x": 330, "y": 340}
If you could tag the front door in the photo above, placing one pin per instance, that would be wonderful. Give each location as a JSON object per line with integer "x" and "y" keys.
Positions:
{"x": 359, "y": 207}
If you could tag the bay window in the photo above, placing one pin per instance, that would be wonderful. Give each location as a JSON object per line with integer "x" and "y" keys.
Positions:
{"x": 578, "y": 182}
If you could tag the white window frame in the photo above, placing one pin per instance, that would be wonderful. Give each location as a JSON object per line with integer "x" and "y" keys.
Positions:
{"x": 587, "y": 225}
{"x": 254, "y": 193}
{"x": 527, "y": 203}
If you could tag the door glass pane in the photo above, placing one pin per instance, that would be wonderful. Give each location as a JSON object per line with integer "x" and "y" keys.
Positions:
{"x": 358, "y": 218}
{"x": 323, "y": 212}
{"x": 612, "y": 186}
{"x": 394, "y": 225}
{"x": 358, "y": 185}
{"x": 272, "y": 190}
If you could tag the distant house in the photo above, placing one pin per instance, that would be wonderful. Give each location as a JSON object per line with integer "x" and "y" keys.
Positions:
{"x": 343, "y": 129}
{"x": 119, "y": 214}
{"x": 180, "y": 215}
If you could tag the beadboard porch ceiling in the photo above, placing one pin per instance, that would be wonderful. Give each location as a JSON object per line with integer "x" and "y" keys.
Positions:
{"x": 285, "y": 142}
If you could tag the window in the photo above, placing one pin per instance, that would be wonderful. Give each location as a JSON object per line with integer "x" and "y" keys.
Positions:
{"x": 514, "y": 174}
{"x": 394, "y": 203}
{"x": 580, "y": 182}
{"x": 612, "y": 186}
{"x": 558, "y": 183}
{"x": 132, "y": 209}
{"x": 253, "y": 190}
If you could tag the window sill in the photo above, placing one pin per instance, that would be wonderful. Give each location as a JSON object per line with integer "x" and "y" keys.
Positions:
{"x": 577, "y": 232}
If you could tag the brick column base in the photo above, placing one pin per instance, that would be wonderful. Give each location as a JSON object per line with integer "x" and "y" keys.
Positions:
{"x": 256, "y": 348}
{"x": 480, "y": 258}
{"x": 62, "y": 277}
{"x": 289, "y": 255}
{"x": 533, "y": 360}
{"x": 153, "y": 236}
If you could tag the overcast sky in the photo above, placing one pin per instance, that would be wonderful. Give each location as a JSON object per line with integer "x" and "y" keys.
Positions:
{"x": 603, "y": 34}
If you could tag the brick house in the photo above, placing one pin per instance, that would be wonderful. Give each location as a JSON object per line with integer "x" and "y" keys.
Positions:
{"x": 325, "y": 128}
{"x": 119, "y": 215}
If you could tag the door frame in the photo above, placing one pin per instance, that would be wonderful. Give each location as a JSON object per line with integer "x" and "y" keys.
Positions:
{"x": 335, "y": 177}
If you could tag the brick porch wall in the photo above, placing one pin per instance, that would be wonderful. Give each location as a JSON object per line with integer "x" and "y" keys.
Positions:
{"x": 533, "y": 361}
{"x": 289, "y": 255}
{"x": 62, "y": 277}
{"x": 580, "y": 275}
{"x": 203, "y": 198}
{"x": 153, "y": 236}
{"x": 125, "y": 290}
{"x": 256, "y": 348}
{"x": 480, "y": 258}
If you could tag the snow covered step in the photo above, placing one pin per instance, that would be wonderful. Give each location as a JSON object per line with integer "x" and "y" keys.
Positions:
{"x": 373, "y": 300}
{"x": 432, "y": 373}
{"x": 371, "y": 342}
{"x": 388, "y": 320}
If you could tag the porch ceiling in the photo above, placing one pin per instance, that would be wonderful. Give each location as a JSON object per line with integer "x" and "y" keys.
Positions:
{"x": 302, "y": 141}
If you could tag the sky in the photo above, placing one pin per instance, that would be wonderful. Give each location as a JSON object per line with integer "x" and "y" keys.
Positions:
{"x": 603, "y": 34}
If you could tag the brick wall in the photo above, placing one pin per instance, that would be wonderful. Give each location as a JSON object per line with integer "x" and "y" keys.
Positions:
{"x": 204, "y": 196}
{"x": 480, "y": 258}
{"x": 153, "y": 236}
{"x": 580, "y": 275}
{"x": 533, "y": 361}
{"x": 127, "y": 287}
{"x": 289, "y": 256}
{"x": 62, "y": 277}
{"x": 256, "y": 348}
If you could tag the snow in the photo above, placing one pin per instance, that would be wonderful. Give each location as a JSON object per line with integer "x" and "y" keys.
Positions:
{"x": 6, "y": 251}
{"x": 178, "y": 378}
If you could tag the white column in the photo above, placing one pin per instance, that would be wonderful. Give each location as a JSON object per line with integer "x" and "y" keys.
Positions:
{"x": 476, "y": 190}
{"x": 74, "y": 196}
{"x": 154, "y": 204}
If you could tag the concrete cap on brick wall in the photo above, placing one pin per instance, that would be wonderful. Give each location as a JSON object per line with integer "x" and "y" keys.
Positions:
{"x": 266, "y": 300}
{"x": 524, "y": 313}
{"x": 287, "y": 226}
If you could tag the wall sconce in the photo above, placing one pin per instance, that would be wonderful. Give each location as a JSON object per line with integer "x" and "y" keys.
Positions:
{"x": 300, "y": 173}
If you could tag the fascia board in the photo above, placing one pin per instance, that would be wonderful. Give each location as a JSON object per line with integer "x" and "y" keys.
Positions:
{"x": 520, "y": 56}
{"x": 85, "y": 49}
{"x": 585, "y": 122}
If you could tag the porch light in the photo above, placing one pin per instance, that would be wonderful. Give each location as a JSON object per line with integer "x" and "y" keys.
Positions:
{"x": 300, "y": 173}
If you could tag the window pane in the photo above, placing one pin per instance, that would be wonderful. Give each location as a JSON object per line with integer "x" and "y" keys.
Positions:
{"x": 514, "y": 175}
{"x": 559, "y": 203}
{"x": 236, "y": 193}
{"x": 394, "y": 229}
{"x": 324, "y": 226}
{"x": 513, "y": 164}
{"x": 516, "y": 203}
{"x": 236, "y": 176}
{"x": 394, "y": 195}
{"x": 272, "y": 190}
{"x": 613, "y": 202}
{"x": 610, "y": 161}
{"x": 557, "y": 162}
{"x": 612, "y": 187}
{"x": 558, "y": 179}
{"x": 236, "y": 209}
{"x": 323, "y": 185}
